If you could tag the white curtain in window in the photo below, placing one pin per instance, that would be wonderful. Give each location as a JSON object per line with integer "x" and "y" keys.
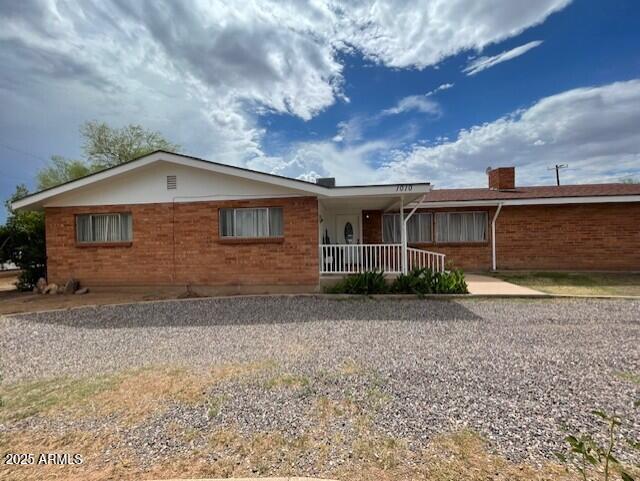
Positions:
{"x": 226, "y": 222}
{"x": 113, "y": 227}
{"x": 126, "y": 227}
{"x": 83, "y": 228}
{"x": 442, "y": 227}
{"x": 104, "y": 228}
{"x": 245, "y": 223}
{"x": 461, "y": 227}
{"x": 480, "y": 228}
{"x": 413, "y": 228}
{"x": 391, "y": 228}
{"x": 261, "y": 223}
{"x": 99, "y": 228}
{"x": 275, "y": 222}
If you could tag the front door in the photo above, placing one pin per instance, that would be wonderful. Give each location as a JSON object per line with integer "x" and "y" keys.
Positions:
{"x": 348, "y": 226}
{"x": 348, "y": 233}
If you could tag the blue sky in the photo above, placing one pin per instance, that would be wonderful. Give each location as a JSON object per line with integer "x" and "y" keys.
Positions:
{"x": 370, "y": 92}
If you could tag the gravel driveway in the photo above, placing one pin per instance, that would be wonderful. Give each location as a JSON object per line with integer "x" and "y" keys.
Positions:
{"x": 515, "y": 371}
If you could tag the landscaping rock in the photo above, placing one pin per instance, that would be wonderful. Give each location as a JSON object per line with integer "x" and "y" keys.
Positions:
{"x": 71, "y": 286}
{"x": 83, "y": 290}
{"x": 41, "y": 285}
{"x": 51, "y": 289}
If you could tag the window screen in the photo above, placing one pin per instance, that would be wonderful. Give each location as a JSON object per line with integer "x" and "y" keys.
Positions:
{"x": 461, "y": 227}
{"x": 104, "y": 228}
{"x": 255, "y": 222}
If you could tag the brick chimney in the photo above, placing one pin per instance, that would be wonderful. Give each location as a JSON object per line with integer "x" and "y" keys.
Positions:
{"x": 502, "y": 178}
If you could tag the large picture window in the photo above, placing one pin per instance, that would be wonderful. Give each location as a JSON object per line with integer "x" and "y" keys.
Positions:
{"x": 461, "y": 227}
{"x": 418, "y": 228}
{"x": 98, "y": 228}
{"x": 253, "y": 222}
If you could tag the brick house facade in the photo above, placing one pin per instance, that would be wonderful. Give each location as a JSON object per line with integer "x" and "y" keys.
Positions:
{"x": 603, "y": 237}
{"x": 181, "y": 244}
{"x": 159, "y": 220}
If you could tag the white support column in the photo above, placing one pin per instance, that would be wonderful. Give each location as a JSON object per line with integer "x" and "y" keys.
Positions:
{"x": 493, "y": 237}
{"x": 403, "y": 237}
{"x": 404, "y": 230}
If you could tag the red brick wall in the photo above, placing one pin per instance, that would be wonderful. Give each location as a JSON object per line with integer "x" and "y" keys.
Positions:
{"x": 569, "y": 237}
{"x": 562, "y": 237}
{"x": 190, "y": 253}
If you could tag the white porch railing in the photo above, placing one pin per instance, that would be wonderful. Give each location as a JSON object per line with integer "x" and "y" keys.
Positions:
{"x": 418, "y": 258}
{"x": 354, "y": 258}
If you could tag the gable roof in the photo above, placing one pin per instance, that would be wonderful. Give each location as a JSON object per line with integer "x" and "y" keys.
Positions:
{"x": 36, "y": 199}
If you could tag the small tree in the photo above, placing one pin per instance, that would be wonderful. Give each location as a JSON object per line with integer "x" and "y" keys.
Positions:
{"x": 22, "y": 238}
{"x": 106, "y": 146}
{"x": 60, "y": 171}
{"x": 22, "y": 242}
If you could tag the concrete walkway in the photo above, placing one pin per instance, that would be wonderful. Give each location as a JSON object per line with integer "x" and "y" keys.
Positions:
{"x": 492, "y": 286}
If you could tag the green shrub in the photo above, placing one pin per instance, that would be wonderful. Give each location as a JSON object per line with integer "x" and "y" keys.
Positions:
{"x": 418, "y": 281}
{"x": 426, "y": 281}
{"x": 370, "y": 282}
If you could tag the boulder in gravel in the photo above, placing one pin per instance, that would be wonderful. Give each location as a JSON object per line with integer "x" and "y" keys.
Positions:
{"x": 51, "y": 289}
{"x": 41, "y": 285}
{"x": 71, "y": 286}
{"x": 83, "y": 290}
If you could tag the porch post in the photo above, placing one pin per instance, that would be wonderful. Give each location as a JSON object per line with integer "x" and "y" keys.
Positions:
{"x": 404, "y": 230}
{"x": 403, "y": 236}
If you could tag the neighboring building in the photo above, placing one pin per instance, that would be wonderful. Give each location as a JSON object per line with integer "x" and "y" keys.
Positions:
{"x": 169, "y": 219}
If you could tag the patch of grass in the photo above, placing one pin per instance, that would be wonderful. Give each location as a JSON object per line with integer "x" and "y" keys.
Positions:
{"x": 630, "y": 377}
{"x": 130, "y": 394}
{"x": 90, "y": 445}
{"x": 214, "y": 406}
{"x": 351, "y": 368}
{"x": 289, "y": 381}
{"x": 25, "y": 399}
{"x": 577, "y": 283}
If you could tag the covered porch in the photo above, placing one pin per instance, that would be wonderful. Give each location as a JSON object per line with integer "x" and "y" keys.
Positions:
{"x": 351, "y": 233}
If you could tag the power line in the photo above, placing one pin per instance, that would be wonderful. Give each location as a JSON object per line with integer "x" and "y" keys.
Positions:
{"x": 24, "y": 153}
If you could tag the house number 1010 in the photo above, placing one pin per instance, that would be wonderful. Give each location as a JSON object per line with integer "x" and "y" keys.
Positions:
{"x": 404, "y": 188}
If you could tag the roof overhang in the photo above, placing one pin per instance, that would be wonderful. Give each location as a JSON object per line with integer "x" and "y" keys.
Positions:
{"x": 37, "y": 200}
{"x": 598, "y": 199}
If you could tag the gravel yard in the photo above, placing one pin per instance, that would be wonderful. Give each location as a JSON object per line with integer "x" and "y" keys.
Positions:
{"x": 514, "y": 371}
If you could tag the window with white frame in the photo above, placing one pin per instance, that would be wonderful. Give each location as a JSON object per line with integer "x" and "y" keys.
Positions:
{"x": 418, "y": 228}
{"x": 461, "y": 227}
{"x": 251, "y": 222}
{"x": 97, "y": 228}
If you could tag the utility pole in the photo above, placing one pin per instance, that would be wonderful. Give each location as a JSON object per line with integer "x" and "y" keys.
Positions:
{"x": 557, "y": 169}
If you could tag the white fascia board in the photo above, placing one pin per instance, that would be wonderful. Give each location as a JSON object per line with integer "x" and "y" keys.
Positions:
{"x": 413, "y": 191}
{"x": 597, "y": 199}
{"x": 37, "y": 199}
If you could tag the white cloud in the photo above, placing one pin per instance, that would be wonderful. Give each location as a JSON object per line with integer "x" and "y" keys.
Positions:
{"x": 203, "y": 73}
{"x": 439, "y": 88}
{"x": 417, "y": 103}
{"x": 593, "y": 129}
{"x": 483, "y": 63}
{"x": 423, "y": 32}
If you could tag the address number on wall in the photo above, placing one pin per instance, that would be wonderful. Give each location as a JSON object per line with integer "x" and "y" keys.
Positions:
{"x": 404, "y": 188}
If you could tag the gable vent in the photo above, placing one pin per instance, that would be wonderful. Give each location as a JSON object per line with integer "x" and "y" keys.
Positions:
{"x": 172, "y": 182}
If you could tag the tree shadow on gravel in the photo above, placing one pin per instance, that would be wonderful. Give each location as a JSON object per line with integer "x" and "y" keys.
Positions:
{"x": 253, "y": 311}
